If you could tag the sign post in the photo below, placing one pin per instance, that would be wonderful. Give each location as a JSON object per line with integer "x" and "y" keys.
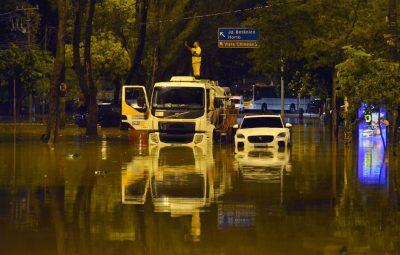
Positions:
{"x": 238, "y": 37}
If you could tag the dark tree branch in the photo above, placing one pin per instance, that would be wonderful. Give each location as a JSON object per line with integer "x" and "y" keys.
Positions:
{"x": 130, "y": 79}
{"x": 353, "y": 24}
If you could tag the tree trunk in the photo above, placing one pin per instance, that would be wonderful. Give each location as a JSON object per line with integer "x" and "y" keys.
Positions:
{"x": 393, "y": 111}
{"x": 396, "y": 132}
{"x": 117, "y": 90}
{"x": 30, "y": 107}
{"x": 130, "y": 79}
{"x": 58, "y": 75}
{"x": 80, "y": 8}
{"x": 61, "y": 103}
{"x": 154, "y": 68}
{"x": 348, "y": 124}
{"x": 11, "y": 97}
{"x": 334, "y": 122}
{"x": 156, "y": 50}
{"x": 394, "y": 31}
{"x": 91, "y": 129}
{"x": 84, "y": 72}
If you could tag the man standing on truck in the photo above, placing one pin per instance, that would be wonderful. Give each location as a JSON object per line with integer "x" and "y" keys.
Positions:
{"x": 196, "y": 58}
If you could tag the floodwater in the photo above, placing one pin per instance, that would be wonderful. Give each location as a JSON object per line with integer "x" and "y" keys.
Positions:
{"x": 113, "y": 196}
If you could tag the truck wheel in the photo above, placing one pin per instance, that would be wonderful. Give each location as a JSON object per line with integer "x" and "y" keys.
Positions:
{"x": 264, "y": 107}
{"x": 292, "y": 108}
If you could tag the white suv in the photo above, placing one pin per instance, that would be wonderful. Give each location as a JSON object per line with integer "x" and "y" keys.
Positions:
{"x": 258, "y": 131}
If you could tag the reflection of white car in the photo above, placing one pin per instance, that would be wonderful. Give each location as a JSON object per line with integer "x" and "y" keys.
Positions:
{"x": 261, "y": 165}
{"x": 238, "y": 102}
{"x": 258, "y": 131}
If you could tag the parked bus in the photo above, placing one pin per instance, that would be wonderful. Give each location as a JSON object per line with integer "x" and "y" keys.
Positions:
{"x": 266, "y": 98}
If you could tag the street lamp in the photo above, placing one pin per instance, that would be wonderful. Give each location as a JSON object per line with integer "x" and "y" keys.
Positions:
{"x": 253, "y": 96}
{"x": 14, "y": 104}
{"x": 282, "y": 89}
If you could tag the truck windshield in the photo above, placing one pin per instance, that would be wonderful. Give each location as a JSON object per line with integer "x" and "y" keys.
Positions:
{"x": 262, "y": 122}
{"x": 178, "y": 97}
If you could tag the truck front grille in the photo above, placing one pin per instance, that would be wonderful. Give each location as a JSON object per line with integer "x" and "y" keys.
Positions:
{"x": 177, "y": 127}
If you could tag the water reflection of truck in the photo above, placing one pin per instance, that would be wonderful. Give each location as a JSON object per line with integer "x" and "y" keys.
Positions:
{"x": 179, "y": 179}
{"x": 179, "y": 185}
{"x": 181, "y": 111}
{"x": 135, "y": 180}
{"x": 175, "y": 178}
{"x": 266, "y": 98}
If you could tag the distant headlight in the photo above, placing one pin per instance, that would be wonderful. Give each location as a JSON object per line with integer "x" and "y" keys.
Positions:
{"x": 283, "y": 134}
{"x": 239, "y": 135}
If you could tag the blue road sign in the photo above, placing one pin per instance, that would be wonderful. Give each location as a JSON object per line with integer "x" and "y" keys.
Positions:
{"x": 238, "y": 34}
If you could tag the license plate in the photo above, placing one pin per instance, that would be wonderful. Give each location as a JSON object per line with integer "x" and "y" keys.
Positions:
{"x": 261, "y": 145}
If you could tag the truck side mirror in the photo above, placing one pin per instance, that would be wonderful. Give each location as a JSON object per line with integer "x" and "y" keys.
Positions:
{"x": 236, "y": 126}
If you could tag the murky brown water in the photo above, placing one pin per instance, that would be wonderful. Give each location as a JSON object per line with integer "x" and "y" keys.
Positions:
{"x": 112, "y": 197}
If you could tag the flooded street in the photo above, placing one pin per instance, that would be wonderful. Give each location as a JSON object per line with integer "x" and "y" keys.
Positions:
{"x": 114, "y": 197}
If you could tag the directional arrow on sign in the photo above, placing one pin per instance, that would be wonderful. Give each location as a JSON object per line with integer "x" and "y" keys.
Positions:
{"x": 221, "y": 34}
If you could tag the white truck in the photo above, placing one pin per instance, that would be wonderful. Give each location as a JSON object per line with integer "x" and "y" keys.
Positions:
{"x": 265, "y": 98}
{"x": 183, "y": 110}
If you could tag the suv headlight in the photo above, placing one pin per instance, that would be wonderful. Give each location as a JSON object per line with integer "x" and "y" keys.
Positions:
{"x": 283, "y": 134}
{"x": 240, "y": 136}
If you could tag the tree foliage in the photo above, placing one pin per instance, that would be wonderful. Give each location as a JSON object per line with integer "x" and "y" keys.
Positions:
{"x": 302, "y": 85}
{"x": 312, "y": 33}
{"x": 119, "y": 18}
{"x": 110, "y": 59}
{"x": 30, "y": 69}
{"x": 363, "y": 77}
{"x": 167, "y": 33}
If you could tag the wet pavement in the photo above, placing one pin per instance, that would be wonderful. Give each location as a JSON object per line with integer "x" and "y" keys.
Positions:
{"x": 114, "y": 197}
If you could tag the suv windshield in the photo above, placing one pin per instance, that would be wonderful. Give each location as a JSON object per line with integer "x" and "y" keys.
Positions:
{"x": 259, "y": 122}
{"x": 178, "y": 97}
